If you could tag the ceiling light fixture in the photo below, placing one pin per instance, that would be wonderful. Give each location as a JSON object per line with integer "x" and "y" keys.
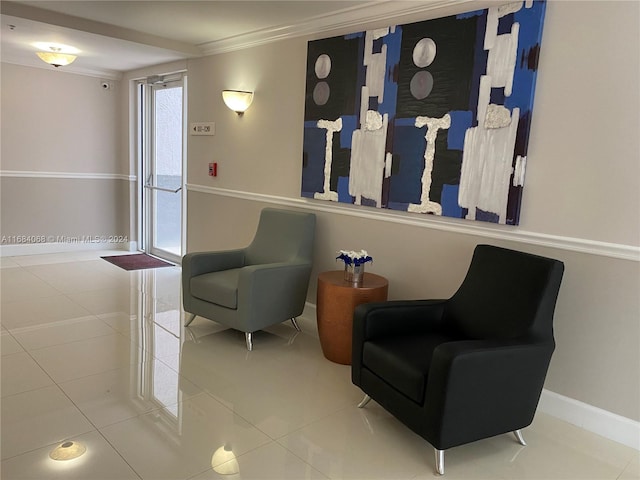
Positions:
{"x": 237, "y": 100}
{"x": 57, "y": 55}
{"x": 67, "y": 451}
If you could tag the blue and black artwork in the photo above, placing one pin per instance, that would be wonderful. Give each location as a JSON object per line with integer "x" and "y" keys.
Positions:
{"x": 430, "y": 117}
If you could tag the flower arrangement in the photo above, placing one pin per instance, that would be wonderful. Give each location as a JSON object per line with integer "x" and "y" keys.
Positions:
{"x": 350, "y": 257}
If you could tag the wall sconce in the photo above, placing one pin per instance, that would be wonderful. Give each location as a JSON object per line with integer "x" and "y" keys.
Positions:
{"x": 237, "y": 100}
{"x": 56, "y": 56}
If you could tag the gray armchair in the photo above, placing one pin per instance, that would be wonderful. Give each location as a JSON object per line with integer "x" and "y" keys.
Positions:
{"x": 251, "y": 288}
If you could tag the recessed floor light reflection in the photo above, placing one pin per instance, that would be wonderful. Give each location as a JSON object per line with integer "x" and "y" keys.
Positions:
{"x": 224, "y": 461}
{"x": 67, "y": 451}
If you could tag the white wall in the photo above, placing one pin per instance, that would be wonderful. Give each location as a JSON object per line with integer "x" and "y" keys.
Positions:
{"x": 585, "y": 142}
{"x": 580, "y": 203}
{"x": 61, "y": 174}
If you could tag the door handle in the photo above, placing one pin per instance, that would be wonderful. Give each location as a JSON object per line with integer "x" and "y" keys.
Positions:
{"x": 162, "y": 189}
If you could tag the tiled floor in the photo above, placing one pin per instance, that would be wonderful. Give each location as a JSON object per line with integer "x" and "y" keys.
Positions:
{"x": 96, "y": 354}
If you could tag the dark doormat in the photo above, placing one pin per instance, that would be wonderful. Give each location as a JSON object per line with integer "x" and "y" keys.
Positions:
{"x": 138, "y": 261}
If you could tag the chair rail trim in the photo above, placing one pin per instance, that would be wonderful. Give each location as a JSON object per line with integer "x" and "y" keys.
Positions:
{"x": 497, "y": 232}
{"x": 71, "y": 175}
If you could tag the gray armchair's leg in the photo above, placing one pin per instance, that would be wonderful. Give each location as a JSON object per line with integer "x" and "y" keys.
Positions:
{"x": 192, "y": 337}
{"x": 190, "y": 319}
{"x": 295, "y": 324}
{"x": 249, "y": 338}
{"x": 364, "y": 401}
{"x": 440, "y": 461}
{"x": 519, "y": 437}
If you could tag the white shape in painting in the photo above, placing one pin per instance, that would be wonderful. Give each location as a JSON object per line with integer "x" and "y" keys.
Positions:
{"x": 364, "y": 105}
{"x": 331, "y": 127}
{"x": 369, "y": 162}
{"x": 376, "y": 64}
{"x": 434, "y": 125}
{"x": 388, "y": 163}
{"x": 368, "y": 159}
{"x": 373, "y": 120}
{"x": 323, "y": 66}
{"x": 493, "y": 17}
{"x": 484, "y": 96}
{"x": 424, "y": 52}
{"x": 518, "y": 174}
{"x": 501, "y": 63}
{"x": 498, "y": 116}
{"x": 487, "y": 157}
{"x": 486, "y": 168}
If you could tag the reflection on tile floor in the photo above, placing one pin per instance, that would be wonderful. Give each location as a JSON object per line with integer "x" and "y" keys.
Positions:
{"x": 96, "y": 354}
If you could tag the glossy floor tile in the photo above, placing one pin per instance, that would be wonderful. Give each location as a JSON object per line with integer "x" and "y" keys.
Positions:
{"x": 98, "y": 355}
{"x": 100, "y": 462}
{"x": 181, "y": 442}
{"x": 21, "y": 373}
{"x": 20, "y": 314}
{"x": 38, "y": 418}
{"x": 9, "y": 344}
{"x": 108, "y": 397}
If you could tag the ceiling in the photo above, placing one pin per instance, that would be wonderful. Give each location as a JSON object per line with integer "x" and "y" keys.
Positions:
{"x": 123, "y": 35}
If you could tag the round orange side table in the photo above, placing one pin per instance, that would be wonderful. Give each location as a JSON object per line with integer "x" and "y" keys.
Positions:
{"x": 336, "y": 302}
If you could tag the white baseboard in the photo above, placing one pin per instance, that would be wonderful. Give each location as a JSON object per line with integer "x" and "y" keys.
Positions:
{"x": 601, "y": 422}
{"x": 15, "y": 250}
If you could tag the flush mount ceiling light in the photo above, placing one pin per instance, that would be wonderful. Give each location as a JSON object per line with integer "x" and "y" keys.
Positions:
{"x": 67, "y": 451}
{"x": 56, "y": 54}
{"x": 237, "y": 100}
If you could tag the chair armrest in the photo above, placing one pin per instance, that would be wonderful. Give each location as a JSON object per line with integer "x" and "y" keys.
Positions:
{"x": 382, "y": 319}
{"x": 274, "y": 290}
{"x": 260, "y": 276}
{"x": 198, "y": 263}
{"x": 482, "y": 358}
{"x": 484, "y": 387}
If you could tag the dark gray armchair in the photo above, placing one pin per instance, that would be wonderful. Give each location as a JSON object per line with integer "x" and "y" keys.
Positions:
{"x": 470, "y": 367}
{"x": 251, "y": 288}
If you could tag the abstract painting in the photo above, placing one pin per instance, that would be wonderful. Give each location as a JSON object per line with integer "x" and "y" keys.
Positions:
{"x": 430, "y": 117}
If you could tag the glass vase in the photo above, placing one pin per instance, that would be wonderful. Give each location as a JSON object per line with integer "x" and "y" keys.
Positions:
{"x": 354, "y": 274}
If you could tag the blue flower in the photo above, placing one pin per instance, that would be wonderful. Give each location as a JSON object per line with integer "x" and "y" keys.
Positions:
{"x": 351, "y": 257}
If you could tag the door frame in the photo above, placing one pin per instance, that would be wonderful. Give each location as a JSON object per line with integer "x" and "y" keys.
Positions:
{"x": 144, "y": 153}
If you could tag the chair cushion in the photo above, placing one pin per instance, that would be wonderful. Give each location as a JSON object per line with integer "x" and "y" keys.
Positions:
{"x": 403, "y": 362}
{"x": 220, "y": 288}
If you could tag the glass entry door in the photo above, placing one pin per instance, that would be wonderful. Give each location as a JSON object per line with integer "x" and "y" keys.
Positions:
{"x": 162, "y": 193}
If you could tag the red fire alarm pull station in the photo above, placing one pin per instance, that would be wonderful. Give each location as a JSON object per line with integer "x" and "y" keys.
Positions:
{"x": 213, "y": 169}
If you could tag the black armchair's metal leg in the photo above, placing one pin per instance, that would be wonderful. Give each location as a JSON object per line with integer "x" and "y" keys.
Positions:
{"x": 440, "y": 461}
{"x": 249, "y": 338}
{"x": 364, "y": 401}
{"x": 190, "y": 319}
{"x": 519, "y": 437}
{"x": 295, "y": 324}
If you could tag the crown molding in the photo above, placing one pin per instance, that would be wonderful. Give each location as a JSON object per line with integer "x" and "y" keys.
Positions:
{"x": 353, "y": 17}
